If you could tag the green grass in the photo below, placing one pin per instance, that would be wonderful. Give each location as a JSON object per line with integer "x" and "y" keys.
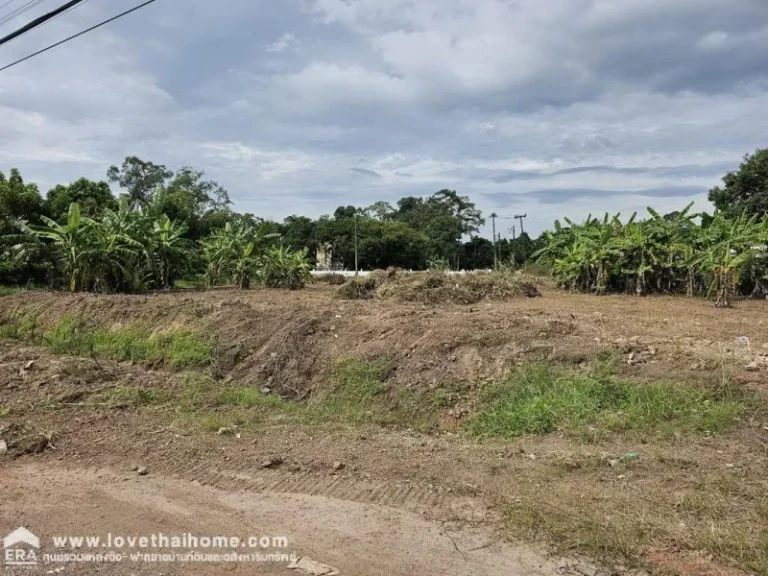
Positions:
{"x": 136, "y": 343}
{"x": 128, "y": 396}
{"x": 540, "y": 400}
{"x": 194, "y": 283}
{"x": 19, "y": 326}
{"x": 355, "y": 384}
{"x": 8, "y": 290}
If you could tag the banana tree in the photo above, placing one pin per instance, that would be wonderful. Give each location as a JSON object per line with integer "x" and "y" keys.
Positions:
{"x": 70, "y": 241}
{"x": 729, "y": 246}
{"x": 168, "y": 249}
{"x": 284, "y": 268}
{"x": 644, "y": 252}
{"x": 115, "y": 249}
{"x": 602, "y": 250}
{"x": 235, "y": 252}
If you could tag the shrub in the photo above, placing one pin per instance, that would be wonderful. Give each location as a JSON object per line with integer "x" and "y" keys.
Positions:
{"x": 284, "y": 268}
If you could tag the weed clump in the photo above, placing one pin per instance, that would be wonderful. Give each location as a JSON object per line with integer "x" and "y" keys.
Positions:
{"x": 363, "y": 288}
{"x": 436, "y": 287}
{"x": 332, "y": 279}
{"x": 135, "y": 343}
{"x": 540, "y": 400}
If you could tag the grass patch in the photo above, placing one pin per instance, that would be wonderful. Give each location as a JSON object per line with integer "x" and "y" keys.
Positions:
{"x": 249, "y": 397}
{"x": 194, "y": 283}
{"x": 359, "y": 394}
{"x": 121, "y": 396}
{"x": 9, "y": 290}
{"x": 136, "y": 343}
{"x": 19, "y": 326}
{"x": 355, "y": 394}
{"x": 540, "y": 400}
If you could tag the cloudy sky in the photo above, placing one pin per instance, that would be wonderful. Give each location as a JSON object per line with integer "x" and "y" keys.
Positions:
{"x": 548, "y": 107}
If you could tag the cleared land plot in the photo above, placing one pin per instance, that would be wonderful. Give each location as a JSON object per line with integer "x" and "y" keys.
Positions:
{"x": 621, "y": 431}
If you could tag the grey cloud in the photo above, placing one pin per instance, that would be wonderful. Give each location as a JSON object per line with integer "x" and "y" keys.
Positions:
{"x": 682, "y": 171}
{"x": 564, "y": 195}
{"x": 366, "y": 172}
{"x": 583, "y": 100}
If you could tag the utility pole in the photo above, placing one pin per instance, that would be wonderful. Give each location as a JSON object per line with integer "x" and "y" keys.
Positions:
{"x": 514, "y": 243}
{"x": 520, "y": 217}
{"x": 495, "y": 261}
{"x": 356, "y": 242}
{"x": 522, "y": 231}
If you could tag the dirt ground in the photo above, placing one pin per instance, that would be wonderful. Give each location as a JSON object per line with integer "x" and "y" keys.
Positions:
{"x": 368, "y": 499}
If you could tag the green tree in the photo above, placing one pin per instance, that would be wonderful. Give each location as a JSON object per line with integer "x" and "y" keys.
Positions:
{"x": 19, "y": 201}
{"x": 71, "y": 243}
{"x": 188, "y": 197}
{"x": 92, "y": 197}
{"x": 729, "y": 246}
{"x": 445, "y": 218}
{"x": 745, "y": 190}
{"x": 139, "y": 178}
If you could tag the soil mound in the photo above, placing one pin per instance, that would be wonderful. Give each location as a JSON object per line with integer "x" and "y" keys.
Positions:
{"x": 438, "y": 287}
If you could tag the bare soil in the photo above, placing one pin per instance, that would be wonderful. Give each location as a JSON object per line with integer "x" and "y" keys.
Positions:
{"x": 372, "y": 500}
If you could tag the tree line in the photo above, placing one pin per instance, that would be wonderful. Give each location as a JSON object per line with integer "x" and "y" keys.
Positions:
{"x": 717, "y": 254}
{"x": 165, "y": 225}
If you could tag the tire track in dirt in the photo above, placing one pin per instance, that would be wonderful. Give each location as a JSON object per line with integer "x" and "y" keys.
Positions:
{"x": 425, "y": 499}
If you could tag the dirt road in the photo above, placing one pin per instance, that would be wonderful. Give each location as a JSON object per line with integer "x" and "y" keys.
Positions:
{"x": 354, "y": 538}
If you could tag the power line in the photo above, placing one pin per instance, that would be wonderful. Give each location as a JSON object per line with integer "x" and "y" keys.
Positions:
{"x": 60, "y": 42}
{"x": 39, "y": 21}
{"x": 20, "y": 10}
{"x": 8, "y": 3}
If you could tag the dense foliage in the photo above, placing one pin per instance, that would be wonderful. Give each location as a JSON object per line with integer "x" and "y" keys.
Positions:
{"x": 677, "y": 253}
{"x": 744, "y": 191}
{"x": 169, "y": 225}
{"x": 166, "y": 226}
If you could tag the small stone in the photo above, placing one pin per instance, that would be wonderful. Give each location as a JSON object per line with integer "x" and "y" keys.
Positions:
{"x": 142, "y": 471}
{"x": 29, "y": 365}
{"x": 752, "y": 366}
{"x": 225, "y": 431}
{"x": 135, "y": 468}
{"x": 3, "y": 447}
{"x": 272, "y": 463}
{"x": 266, "y": 390}
{"x": 338, "y": 466}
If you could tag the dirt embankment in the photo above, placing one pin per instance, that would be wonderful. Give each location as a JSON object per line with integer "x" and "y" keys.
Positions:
{"x": 288, "y": 341}
{"x": 687, "y": 503}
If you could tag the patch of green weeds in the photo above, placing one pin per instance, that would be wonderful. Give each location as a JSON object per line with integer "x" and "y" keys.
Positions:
{"x": 542, "y": 400}
{"x": 128, "y": 396}
{"x": 136, "y": 343}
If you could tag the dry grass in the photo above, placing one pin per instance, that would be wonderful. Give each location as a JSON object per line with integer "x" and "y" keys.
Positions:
{"x": 695, "y": 497}
{"x": 439, "y": 288}
{"x": 332, "y": 279}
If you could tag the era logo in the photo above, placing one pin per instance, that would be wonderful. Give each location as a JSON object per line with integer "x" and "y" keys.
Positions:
{"x": 20, "y": 548}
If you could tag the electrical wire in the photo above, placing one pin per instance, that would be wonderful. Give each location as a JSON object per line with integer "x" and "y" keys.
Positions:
{"x": 8, "y": 3}
{"x": 20, "y": 10}
{"x": 40, "y": 20}
{"x": 65, "y": 40}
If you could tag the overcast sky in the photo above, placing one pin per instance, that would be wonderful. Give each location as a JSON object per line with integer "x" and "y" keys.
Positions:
{"x": 548, "y": 107}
